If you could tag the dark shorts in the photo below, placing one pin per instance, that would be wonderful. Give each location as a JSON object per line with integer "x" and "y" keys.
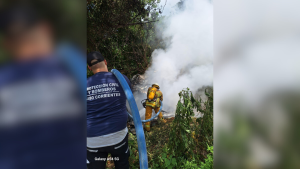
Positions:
{"x": 120, "y": 153}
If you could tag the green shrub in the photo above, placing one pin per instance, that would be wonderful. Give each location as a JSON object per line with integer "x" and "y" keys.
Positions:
{"x": 204, "y": 128}
{"x": 181, "y": 142}
{"x": 209, "y": 161}
{"x": 190, "y": 165}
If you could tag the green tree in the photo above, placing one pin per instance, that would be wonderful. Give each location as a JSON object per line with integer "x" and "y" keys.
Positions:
{"x": 122, "y": 30}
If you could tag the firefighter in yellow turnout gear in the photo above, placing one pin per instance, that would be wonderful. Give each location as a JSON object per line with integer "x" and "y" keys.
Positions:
{"x": 154, "y": 96}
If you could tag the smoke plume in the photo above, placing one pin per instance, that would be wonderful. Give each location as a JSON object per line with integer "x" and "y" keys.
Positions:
{"x": 187, "y": 62}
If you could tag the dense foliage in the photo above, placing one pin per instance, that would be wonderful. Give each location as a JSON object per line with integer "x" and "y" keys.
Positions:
{"x": 123, "y": 31}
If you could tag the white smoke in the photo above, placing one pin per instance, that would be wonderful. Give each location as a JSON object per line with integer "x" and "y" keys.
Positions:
{"x": 256, "y": 83}
{"x": 188, "y": 60}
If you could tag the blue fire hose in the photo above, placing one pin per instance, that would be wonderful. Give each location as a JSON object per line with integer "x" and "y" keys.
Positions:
{"x": 136, "y": 119}
{"x": 75, "y": 61}
{"x": 144, "y": 121}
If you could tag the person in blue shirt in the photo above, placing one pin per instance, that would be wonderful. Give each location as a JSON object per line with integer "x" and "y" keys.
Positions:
{"x": 106, "y": 116}
{"x": 42, "y": 113}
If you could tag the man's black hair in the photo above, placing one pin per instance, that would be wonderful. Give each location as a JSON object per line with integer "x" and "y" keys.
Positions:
{"x": 25, "y": 16}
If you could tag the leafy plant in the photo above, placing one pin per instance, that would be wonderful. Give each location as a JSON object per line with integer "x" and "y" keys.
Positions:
{"x": 134, "y": 157}
{"x": 209, "y": 161}
{"x": 190, "y": 138}
{"x": 181, "y": 143}
{"x": 204, "y": 128}
{"x": 191, "y": 165}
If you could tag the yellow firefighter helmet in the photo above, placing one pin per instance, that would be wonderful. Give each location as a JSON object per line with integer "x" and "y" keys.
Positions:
{"x": 155, "y": 85}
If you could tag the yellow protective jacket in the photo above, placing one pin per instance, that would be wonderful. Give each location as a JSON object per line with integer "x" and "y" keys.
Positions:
{"x": 158, "y": 96}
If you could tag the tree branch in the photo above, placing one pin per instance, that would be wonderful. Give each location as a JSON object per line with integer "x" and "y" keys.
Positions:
{"x": 138, "y": 23}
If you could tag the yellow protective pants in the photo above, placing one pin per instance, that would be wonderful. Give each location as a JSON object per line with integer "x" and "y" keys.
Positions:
{"x": 149, "y": 114}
